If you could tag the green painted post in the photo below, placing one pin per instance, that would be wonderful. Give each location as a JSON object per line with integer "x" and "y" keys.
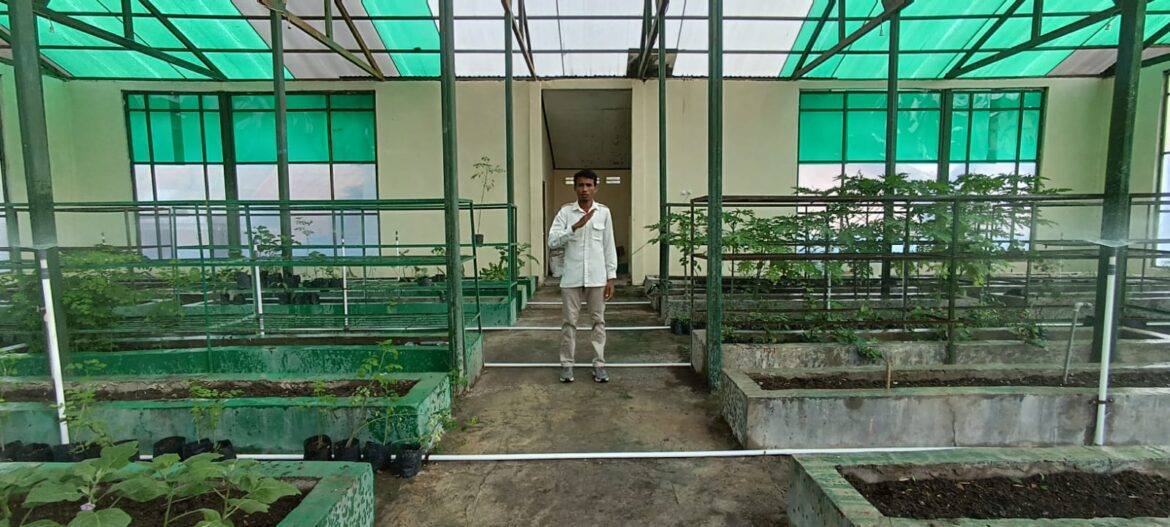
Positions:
{"x": 663, "y": 212}
{"x": 277, "y": 30}
{"x": 715, "y": 196}
{"x": 891, "y": 149}
{"x": 1115, "y": 214}
{"x": 128, "y": 19}
{"x": 455, "y": 320}
{"x": 11, "y": 222}
{"x": 34, "y": 133}
{"x": 509, "y": 155}
{"x": 231, "y": 183}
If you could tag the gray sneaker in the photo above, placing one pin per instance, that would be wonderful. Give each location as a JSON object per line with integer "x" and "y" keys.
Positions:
{"x": 599, "y": 374}
{"x": 566, "y": 374}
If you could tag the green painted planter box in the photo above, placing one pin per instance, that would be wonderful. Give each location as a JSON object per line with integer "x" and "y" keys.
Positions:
{"x": 343, "y": 496}
{"x": 820, "y": 496}
{"x": 254, "y": 425}
{"x": 329, "y": 360}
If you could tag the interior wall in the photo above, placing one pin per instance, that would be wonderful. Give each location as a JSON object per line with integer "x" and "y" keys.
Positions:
{"x": 90, "y": 157}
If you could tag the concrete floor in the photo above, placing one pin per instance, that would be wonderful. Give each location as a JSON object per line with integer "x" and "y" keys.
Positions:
{"x": 526, "y": 410}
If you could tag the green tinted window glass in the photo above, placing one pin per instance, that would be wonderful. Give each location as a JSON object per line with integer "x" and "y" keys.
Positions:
{"x": 1006, "y": 99}
{"x": 918, "y": 136}
{"x": 866, "y": 139}
{"x": 210, "y": 102}
{"x": 961, "y": 100}
{"x": 139, "y": 143}
{"x": 865, "y": 101}
{"x": 832, "y": 101}
{"x": 136, "y": 101}
{"x": 253, "y": 102}
{"x": 364, "y": 101}
{"x": 255, "y": 137}
{"x": 960, "y": 128}
{"x": 306, "y": 102}
{"x": 176, "y": 136}
{"x": 213, "y": 138}
{"x": 353, "y": 137}
{"x": 908, "y": 101}
{"x": 1032, "y": 99}
{"x": 994, "y": 135}
{"x": 820, "y": 137}
{"x": 163, "y": 101}
{"x": 1030, "y": 140}
{"x": 308, "y": 137}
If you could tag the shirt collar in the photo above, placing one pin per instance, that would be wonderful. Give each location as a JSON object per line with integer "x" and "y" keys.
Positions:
{"x": 577, "y": 207}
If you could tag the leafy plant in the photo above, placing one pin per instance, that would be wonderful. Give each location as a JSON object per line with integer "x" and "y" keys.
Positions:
{"x": 80, "y": 399}
{"x": 498, "y": 270}
{"x": 485, "y": 173}
{"x": 207, "y": 408}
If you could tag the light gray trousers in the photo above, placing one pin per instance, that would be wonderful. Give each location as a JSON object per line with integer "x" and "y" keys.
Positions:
{"x": 571, "y": 298}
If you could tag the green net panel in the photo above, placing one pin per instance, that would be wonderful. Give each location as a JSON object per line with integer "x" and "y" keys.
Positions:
{"x": 408, "y": 35}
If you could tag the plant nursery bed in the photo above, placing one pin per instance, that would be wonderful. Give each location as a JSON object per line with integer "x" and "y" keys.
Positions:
{"x": 940, "y": 406}
{"x": 138, "y": 391}
{"x": 1084, "y": 379}
{"x": 1126, "y": 494}
{"x": 1082, "y": 486}
{"x": 330, "y": 494}
{"x": 154, "y": 512}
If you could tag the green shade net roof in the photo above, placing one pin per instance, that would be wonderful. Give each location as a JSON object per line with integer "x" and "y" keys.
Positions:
{"x": 762, "y": 38}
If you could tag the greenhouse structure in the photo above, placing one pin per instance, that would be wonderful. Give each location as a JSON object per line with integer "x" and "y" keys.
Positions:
{"x": 850, "y": 263}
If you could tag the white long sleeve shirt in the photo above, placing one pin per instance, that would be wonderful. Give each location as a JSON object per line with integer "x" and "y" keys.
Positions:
{"x": 590, "y": 252}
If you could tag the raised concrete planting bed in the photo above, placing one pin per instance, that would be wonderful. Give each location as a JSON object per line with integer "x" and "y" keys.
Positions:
{"x": 262, "y": 424}
{"x": 967, "y": 406}
{"x": 1075, "y": 486}
{"x": 985, "y": 347}
{"x": 334, "y": 355}
{"x": 332, "y": 494}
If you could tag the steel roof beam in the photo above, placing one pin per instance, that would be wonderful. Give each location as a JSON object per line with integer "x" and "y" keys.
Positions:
{"x": 891, "y": 7}
{"x": 817, "y": 32}
{"x": 97, "y": 32}
{"x": 368, "y": 67}
{"x": 162, "y": 18}
{"x": 520, "y": 29}
{"x": 649, "y": 37}
{"x": 357, "y": 35}
{"x": 1035, "y": 42}
{"x": 999, "y": 22}
{"x": 47, "y": 65}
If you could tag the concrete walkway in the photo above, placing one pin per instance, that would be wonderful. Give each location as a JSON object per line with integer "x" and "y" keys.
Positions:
{"x": 526, "y": 410}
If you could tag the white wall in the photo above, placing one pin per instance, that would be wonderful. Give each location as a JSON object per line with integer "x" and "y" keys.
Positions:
{"x": 91, "y": 162}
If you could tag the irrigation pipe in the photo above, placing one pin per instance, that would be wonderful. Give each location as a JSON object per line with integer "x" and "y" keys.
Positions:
{"x": 567, "y": 456}
{"x": 1072, "y": 335}
{"x": 1106, "y": 348}
{"x": 607, "y": 365}
{"x": 51, "y": 345}
{"x": 622, "y": 303}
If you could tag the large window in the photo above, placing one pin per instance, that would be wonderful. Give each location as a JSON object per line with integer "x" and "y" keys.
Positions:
{"x": 991, "y": 132}
{"x": 213, "y": 146}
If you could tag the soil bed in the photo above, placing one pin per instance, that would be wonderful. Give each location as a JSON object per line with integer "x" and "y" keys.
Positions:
{"x": 1056, "y": 495}
{"x": 1140, "y": 379}
{"x": 172, "y": 391}
{"x": 153, "y": 512}
{"x": 331, "y": 340}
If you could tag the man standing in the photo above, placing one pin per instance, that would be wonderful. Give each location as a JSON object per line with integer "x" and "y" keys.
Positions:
{"x": 585, "y": 230}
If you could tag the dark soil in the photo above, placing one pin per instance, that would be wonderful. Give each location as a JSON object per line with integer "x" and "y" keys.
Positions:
{"x": 153, "y": 512}
{"x": 174, "y": 390}
{"x": 332, "y": 340}
{"x": 1056, "y": 495}
{"x": 1138, "y": 379}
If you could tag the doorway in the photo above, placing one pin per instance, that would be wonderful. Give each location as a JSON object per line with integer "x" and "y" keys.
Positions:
{"x": 589, "y": 129}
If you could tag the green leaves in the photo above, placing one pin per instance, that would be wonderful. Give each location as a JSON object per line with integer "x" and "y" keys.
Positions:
{"x": 101, "y": 518}
{"x": 52, "y": 492}
{"x": 141, "y": 489}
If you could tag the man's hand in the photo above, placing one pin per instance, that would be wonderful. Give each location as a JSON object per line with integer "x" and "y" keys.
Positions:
{"x": 584, "y": 220}
{"x": 609, "y": 290}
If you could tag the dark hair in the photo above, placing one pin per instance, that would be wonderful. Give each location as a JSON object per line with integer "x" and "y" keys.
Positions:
{"x": 585, "y": 174}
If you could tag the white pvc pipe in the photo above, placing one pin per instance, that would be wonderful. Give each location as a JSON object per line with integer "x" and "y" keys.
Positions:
{"x": 1148, "y": 333}
{"x": 607, "y": 365}
{"x": 1106, "y": 348}
{"x": 558, "y": 328}
{"x": 257, "y": 293}
{"x": 622, "y": 303}
{"x": 563, "y": 456}
{"x": 344, "y": 287}
{"x": 51, "y": 345}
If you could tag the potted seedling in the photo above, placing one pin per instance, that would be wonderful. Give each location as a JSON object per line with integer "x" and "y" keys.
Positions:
{"x": 378, "y": 370}
{"x": 81, "y": 416}
{"x": 318, "y": 447}
{"x": 206, "y": 410}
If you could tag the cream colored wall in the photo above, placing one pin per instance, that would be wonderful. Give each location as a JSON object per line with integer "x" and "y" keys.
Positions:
{"x": 90, "y": 158}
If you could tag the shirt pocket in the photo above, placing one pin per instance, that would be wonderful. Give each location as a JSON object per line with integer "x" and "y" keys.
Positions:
{"x": 597, "y": 231}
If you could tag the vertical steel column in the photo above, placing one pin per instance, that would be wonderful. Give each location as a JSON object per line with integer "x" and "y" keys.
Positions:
{"x": 277, "y": 30}
{"x": 451, "y": 186}
{"x": 11, "y": 221}
{"x": 509, "y": 154}
{"x": 663, "y": 244}
{"x": 891, "y": 148}
{"x": 30, "y": 98}
{"x": 1115, "y": 214}
{"x": 231, "y": 185}
{"x": 946, "y": 122}
{"x": 715, "y": 196}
